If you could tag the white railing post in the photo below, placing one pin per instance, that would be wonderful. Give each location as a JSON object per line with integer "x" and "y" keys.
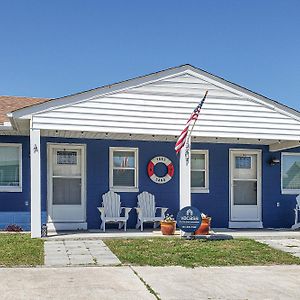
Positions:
{"x": 35, "y": 179}
{"x": 184, "y": 179}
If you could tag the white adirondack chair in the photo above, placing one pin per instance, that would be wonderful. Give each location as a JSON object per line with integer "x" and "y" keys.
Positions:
{"x": 297, "y": 212}
{"x": 146, "y": 210}
{"x": 111, "y": 210}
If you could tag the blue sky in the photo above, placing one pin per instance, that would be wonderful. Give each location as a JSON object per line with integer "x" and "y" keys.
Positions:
{"x": 54, "y": 48}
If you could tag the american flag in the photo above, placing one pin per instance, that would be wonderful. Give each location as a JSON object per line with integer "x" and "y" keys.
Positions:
{"x": 194, "y": 116}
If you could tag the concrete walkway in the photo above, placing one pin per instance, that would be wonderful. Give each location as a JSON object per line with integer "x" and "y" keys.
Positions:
{"x": 287, "y": 245}
{"x": 110, "y": 233}
{"x": 150, "y": 233}
{"x": 78, "y": 252}
{"x": 270, "y": 282}
{"x": 72, "y": 283}
{"x": 260, "y": 234}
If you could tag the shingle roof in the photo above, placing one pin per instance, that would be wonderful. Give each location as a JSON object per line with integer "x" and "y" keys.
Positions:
{"x": 11, "y": 103}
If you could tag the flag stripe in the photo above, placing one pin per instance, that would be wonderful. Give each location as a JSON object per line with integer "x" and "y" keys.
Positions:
{"x": 194, "y": 116}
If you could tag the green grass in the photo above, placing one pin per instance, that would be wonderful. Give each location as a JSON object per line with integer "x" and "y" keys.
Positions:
{"x": 18, "y": 249}
{"x": 193, "y": 253}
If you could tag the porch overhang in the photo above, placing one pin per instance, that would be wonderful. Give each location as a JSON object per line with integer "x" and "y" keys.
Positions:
{"x": 274, "y": 144}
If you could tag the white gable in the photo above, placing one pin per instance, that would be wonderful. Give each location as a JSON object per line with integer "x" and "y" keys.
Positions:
{"x": 162, "y": 107}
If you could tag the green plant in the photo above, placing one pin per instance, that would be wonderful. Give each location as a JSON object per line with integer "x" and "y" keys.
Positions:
{"x": 169, "y": 218}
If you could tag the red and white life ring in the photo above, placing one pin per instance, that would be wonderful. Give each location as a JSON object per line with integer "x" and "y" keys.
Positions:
{"x": 167, "y": 163}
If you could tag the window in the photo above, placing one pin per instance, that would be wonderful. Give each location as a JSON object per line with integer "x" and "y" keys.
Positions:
{"x": 10, "y": 167}
{"x": 290, "y": 173}
{"x": 199, "y": 171}
{"x": 66, "y": 157}
{"x": 243, "y": 162}
{"x": 123, "y": 169}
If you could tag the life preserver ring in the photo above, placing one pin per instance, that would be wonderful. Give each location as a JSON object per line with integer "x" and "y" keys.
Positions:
{"x": 167, "y": 163}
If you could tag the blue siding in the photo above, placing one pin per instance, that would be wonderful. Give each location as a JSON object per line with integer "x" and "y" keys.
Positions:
{"x": 98, "y": 175}
{"x": 13, "y": 208}
{"x": 216, "y": 203}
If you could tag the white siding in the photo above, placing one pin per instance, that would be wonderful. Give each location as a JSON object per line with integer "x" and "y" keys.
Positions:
{"x": 163, "y": 107}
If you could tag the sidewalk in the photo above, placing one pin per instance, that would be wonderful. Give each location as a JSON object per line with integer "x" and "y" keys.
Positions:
{"x": 168, "y": 283}
{"x": 255, "y": 282}
{"x": 72, "y": 283}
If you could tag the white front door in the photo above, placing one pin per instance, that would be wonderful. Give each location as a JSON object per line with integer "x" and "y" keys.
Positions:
{"x": 66, "y": 187}
{"x": 245, "y": 189}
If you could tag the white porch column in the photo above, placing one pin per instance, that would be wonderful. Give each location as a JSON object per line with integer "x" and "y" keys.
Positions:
{"x": 35, "y": 179}
{"x": 184, "y": 180}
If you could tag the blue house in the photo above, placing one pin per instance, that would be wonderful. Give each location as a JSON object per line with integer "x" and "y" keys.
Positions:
{"x": 58, "y": 156}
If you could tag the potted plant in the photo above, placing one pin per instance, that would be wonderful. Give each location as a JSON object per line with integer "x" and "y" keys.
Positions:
{"x": 205, "y": 225}
{"x": 168, "y": 225}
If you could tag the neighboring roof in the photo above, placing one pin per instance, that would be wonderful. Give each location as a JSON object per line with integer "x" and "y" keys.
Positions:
{"x": 12, "y": 103}
{"x": 141, "y": 80}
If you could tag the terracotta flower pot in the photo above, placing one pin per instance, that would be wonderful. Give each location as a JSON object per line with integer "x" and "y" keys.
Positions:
{"x": 204, "y": 227}
{"x": 168, "y": 227}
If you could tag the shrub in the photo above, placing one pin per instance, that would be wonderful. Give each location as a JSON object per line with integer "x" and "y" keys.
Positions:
{"x": 14, "y": 228}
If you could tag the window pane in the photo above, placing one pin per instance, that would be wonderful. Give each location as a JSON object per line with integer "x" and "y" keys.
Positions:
{"x": 124, "y": 159}
{"x": 245, "y": 193}
{"x": 123, "y": 178}
{"x": 66, "y": 157}
{"x": 9, "y": 166}
{"x": 291, "y": 172}
{"x": 243, "y": 162}
{"x": 198, "y": 161}
{"x": 198, "y": 179}
{"x": 66, "y": 191}
{"x": 245, "y": 167}
{"x": 66, "y": 163}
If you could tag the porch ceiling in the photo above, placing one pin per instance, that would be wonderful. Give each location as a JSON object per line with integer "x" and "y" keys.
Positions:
{"x": 22, "y": 127}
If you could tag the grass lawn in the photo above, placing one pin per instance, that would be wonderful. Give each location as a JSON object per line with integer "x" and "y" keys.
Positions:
{"x": 18, "y": 249}
{"x": 193, "y": 253}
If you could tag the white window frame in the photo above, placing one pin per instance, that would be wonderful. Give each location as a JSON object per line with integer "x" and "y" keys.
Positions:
{"x": 206, "y": 170}
{"x": 287, "y": 191}
{"x": 14, "y": 189}
{"x": 136, "y": 157}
